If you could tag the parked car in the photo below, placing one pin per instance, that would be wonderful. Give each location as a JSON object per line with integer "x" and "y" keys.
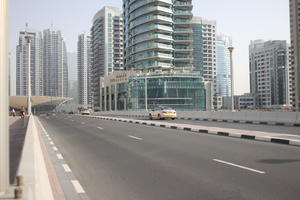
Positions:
{"x": 85, "y": 112}
{"x": 163, "y": 113}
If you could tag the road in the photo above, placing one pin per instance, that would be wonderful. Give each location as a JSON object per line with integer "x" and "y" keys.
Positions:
{"x": 122, "y": 161}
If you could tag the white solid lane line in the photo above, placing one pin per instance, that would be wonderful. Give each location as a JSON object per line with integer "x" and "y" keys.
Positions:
{"x": 66, "y": 168}
{"x": 59, "y": 156}
{"x": 239, "y": 166}
{"x": 133, "y": 137}
{"x": 100, "y": 128}
{"x": 77, "y": 187}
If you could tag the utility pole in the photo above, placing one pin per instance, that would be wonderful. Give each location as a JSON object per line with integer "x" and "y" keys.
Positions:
{"x": 4, "y": 100}
{"x": 232, "y": 81}
{"x": 28, "y": 40}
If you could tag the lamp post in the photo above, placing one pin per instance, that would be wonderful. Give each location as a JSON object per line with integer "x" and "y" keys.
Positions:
{"x": 28, "y": 40}
{"x": 4, "y": 100}
{"x": 232, "y": 81}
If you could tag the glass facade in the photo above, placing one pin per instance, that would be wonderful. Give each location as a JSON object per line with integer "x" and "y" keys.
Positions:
{"x": 158, "y": 34}
{"x": 223, "y": 66}
{"x": 179, "y": 91}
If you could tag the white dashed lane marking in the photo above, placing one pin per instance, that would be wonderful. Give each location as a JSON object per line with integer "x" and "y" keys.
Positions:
{"x": 100, "y": 128}
{"x": 133, "y": 137}
{"x": 77, "y": 186}
{"x": 59, "y": 156}
{"x": 239, "y": 166}
{"x": 66, "y": 168}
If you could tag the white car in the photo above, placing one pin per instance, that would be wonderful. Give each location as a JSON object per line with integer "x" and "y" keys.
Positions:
{"x": 85, "y": 112}
{"x": 163, "y": 113}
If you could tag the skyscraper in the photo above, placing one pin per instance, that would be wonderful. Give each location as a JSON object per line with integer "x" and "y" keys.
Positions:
{"x": 55, "y": 64}
{"x": 268, "y": 72}
{"x": 106, "y": 45}
{"x": 204, "y": 45}
{"x": 204, "y": 36}
{"x": 223, "y": 65}
{"x": 84, "y": 68}
{"x": 294, "y": 80}
{"x": 36, "y": 63}
{"x": 158, "y": 35}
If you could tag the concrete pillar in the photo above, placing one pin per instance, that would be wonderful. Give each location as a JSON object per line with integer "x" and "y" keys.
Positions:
{"x": 4, "y": 100}
{"x": 105, "y": 98}
{"x": 110, "y": 98}
{"x": 232, "y": 80}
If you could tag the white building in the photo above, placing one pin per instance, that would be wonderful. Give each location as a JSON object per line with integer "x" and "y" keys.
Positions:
{"x": 84, "y": 69}
{"x": 36, "y": 63}
{"x": 269, "y": 72}
{"x": 106, "y": 45}
{"x": 55, "y": 64}
{"x": 223, "y": 65}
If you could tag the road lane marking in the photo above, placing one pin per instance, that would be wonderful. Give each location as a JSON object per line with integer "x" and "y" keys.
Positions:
{"x": 82, "y": 122}
{"x": 239, "y": 166}
{"x": 55, "y": 148}
{"x": 52, "y": 143}
{"x": 77, "y": 186}
{"x": 66, "y": 168}
{"x": 59, "y": 156}
{"x": 100, "y": 128}
{"x": 133, "y": 137}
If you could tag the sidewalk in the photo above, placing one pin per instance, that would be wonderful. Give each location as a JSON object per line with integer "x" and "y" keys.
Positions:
{"x": 17, "y": 131}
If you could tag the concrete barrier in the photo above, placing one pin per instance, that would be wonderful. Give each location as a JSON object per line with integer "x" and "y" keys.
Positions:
{"x": 280, "y": 118}
{"x": 33, "y": 167}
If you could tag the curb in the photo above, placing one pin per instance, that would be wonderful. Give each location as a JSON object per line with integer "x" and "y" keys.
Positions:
{"x": 207, "y": 131}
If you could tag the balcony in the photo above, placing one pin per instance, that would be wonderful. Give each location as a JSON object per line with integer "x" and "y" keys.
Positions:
{"x": 157, "y": 37}
{"x": 186, "y": 5}
{"x": 160, "y": 9}
{"x": 154, "y": 28}
{"x": 150, "y": 19}
{"x": 145, "y": 2}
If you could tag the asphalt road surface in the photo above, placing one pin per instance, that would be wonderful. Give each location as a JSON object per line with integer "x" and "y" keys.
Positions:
{"x": 122, "y": 161}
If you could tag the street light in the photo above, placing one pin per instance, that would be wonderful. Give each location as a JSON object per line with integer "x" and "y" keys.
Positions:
{"x": 28, "y": 40}
{"x": 232, "y": 83}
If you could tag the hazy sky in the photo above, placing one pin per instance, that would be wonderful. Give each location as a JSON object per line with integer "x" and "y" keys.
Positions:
{"x": 244, "y": 20}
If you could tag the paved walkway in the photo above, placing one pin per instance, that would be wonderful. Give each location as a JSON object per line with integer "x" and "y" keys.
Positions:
{"x": 17, "y": 129}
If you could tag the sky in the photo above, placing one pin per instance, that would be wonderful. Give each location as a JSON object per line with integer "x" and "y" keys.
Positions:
{"x": 244, "y": 20}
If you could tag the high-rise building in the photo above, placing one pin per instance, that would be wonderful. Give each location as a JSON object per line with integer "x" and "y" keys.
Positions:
{"x": 223, "y": 65}
{"x": 294, "y": 80}
{"x": 106, "y": 45}
{"x": 204, "y": 36}
{"x": 204, "y": 45}
{"x": 55, "y": 64}
{"x": 158, "y": 35}
{"x": 268, "y": 72}
{"x": 84, "y": 69}
{"x": 36, "y": 63}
